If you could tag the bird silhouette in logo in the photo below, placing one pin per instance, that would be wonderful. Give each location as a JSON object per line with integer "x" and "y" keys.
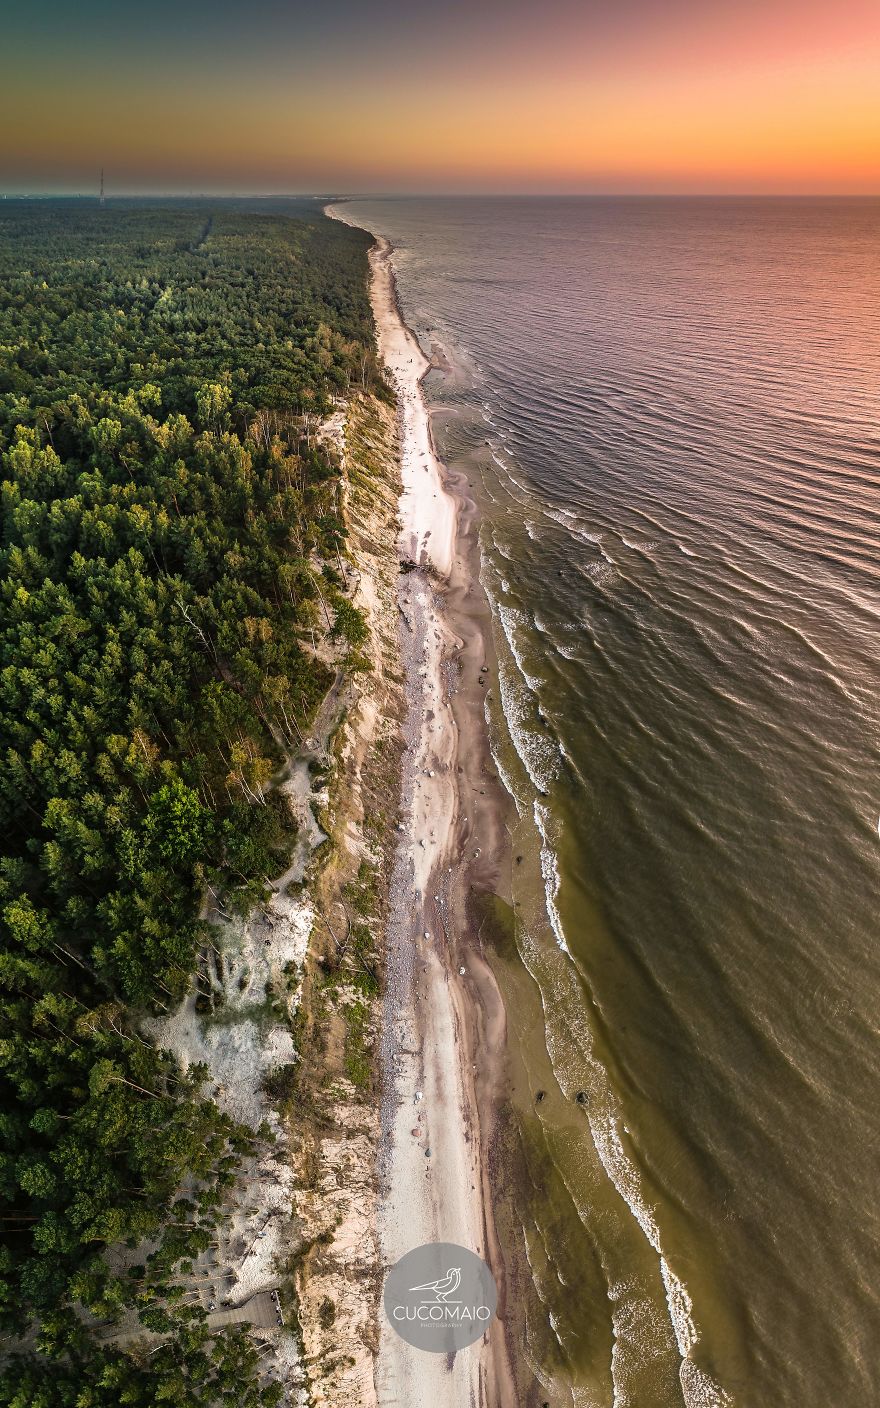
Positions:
{"x": 445, "y": 1286}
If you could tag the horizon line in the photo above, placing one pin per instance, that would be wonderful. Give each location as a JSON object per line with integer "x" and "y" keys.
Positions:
{"x": 672, "y": 194}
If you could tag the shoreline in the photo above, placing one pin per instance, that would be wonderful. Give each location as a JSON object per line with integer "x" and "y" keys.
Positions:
{"x": 444, "y": 1031}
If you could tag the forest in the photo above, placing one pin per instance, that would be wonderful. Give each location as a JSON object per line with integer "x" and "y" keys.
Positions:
{"x": 171, "y": 529}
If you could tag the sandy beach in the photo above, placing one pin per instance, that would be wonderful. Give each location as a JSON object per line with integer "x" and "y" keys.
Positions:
{"x": 444, "y": 1029}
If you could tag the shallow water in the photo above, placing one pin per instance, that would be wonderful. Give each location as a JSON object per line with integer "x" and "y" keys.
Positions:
{"x": 672, "y": 409}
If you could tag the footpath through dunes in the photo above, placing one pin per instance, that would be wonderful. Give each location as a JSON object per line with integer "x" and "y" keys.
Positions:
{"x": 444, "y": 1033}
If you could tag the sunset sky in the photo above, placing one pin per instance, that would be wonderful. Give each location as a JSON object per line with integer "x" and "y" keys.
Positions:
{"x": 489, "y": 95}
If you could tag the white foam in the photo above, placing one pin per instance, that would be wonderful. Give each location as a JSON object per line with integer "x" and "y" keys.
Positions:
{"x": 538, "y": 755}
{"x": 568, "y": 518}
{"x": 602, "y": 573}
{"x": 518, "y": 689}
{"x": 550, "y": 872}
{"x": 514, "y": 620}
{"x": 633, "y": 1322}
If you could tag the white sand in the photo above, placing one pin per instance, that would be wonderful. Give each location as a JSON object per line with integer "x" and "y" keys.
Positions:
{"x": 427, "y": 511}
{"x": 435, "y": 1196}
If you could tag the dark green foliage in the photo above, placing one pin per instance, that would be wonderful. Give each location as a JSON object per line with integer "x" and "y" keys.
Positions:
{"x": 349, "y": 623}
{"x": 167, "y": 518}
{"x": 189, "y": 1371}
{"x": 162, "y": 507}
{"x": 176, "y": 298}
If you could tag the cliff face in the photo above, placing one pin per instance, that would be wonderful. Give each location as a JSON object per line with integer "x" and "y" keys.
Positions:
{"x": 336, "y": 1131}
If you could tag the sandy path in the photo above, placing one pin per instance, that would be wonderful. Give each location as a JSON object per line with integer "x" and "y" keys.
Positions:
{"x": 441, "y": 1005}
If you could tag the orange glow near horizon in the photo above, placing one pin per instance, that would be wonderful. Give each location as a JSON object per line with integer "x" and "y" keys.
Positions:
{"x": 757, "y": 98}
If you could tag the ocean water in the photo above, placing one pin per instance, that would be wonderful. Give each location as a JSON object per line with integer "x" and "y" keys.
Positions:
{"x": 670, "y": 410}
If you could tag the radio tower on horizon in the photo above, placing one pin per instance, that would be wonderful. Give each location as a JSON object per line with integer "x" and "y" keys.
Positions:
{"x": 102, "y": 187}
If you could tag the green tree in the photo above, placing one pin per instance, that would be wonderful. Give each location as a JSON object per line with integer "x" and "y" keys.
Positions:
{"x": 177, "y": 825}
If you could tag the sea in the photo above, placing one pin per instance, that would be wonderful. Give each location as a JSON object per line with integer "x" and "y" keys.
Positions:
{"x": 670, "y": 412}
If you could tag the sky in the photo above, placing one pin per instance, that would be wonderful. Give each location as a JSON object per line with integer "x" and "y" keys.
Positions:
{"x": 345, "y": 96}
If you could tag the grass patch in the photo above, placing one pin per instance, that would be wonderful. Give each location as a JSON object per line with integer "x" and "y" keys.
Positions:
{"x": 358, "y": 1053}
